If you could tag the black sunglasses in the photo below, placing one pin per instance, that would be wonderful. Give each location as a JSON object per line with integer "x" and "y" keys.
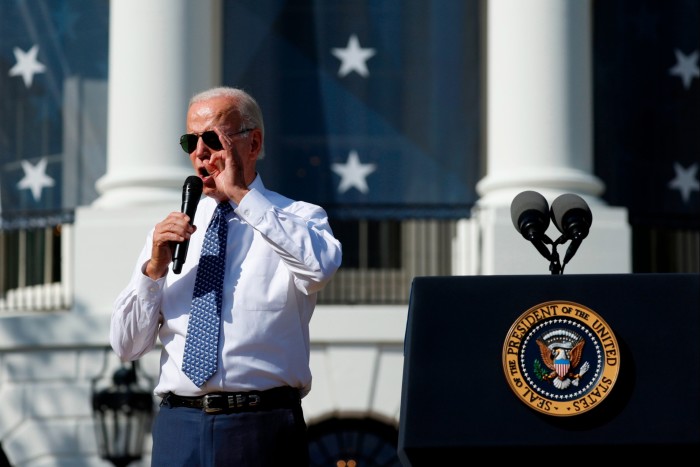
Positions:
{"x": 188, "y": 141}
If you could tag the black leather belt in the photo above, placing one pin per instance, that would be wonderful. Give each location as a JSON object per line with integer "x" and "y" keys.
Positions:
{"x": 275, "y": 398}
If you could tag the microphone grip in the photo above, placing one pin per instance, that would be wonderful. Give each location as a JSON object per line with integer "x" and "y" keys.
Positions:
{"x": 191, "y": 192}
{"x": 179, "y": 255}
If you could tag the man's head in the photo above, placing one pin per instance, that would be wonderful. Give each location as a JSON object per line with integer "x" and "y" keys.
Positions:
{"x": 223, "y": 111}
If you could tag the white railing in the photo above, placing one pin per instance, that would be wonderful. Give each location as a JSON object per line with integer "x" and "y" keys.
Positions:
{"x": 53, "y": 294}
{"x": 424, "y": 247}
{"x": 425, "y": 250}
{"x": 43, "y": 297}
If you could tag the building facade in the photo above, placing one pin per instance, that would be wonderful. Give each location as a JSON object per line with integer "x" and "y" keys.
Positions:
{"x": 536, "y": 107}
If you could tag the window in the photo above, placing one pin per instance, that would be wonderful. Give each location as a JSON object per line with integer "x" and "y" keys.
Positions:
{"x": 369, "y": 244}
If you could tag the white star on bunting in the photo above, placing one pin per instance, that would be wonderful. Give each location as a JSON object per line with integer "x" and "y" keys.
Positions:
{"x": 353, "y": 173}
{"x": 35, "y": 178}
{"x": 353, "y": 58}
{"x": 685, "y": 180}
{"x": 686, "y": 67}
{"x": 27, "y": 65}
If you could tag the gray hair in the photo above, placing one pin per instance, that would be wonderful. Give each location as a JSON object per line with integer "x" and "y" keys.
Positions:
{"x": 246, "y": 105}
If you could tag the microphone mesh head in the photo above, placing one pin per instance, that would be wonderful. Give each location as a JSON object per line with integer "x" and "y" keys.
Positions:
{"x": 564, "y": 204}
{"x": 193, "y": 184}
{"x": 529, "y": 201}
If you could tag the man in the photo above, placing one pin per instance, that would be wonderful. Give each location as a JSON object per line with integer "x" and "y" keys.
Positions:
{"x": 278, "y": 255}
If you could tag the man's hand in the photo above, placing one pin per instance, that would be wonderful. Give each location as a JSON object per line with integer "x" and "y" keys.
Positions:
{"x": 173, "y": 229}
{"x": 227, "y": 166}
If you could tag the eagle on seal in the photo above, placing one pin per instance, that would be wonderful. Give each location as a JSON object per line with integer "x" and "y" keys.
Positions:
{"x": 561, "y": 356}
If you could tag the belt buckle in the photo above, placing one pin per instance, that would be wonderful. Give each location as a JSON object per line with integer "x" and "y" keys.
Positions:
{"x": 253, "y": 400}
{"x": 206, "y": 403}
{"x": 243, "y": 401}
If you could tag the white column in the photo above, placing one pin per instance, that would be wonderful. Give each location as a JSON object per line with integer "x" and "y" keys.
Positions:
{"x": 539, "y": 120}
{"x": 161, "y": 53}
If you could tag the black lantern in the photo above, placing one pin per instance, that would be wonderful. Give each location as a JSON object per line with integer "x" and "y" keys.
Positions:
{"x": 122, "y": 415}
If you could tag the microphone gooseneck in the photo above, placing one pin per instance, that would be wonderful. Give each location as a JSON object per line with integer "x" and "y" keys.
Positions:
{"x": 191, "y": 192}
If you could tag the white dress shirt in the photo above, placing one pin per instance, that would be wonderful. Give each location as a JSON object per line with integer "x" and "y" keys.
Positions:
{"x": 280, "y": 254}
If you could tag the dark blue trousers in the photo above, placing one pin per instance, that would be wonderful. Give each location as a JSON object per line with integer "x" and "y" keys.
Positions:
{"x": 190, "y": 437}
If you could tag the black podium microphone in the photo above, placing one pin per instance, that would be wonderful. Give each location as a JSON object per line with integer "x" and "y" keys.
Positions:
{"x": 573, "y": 218}
{"x": 529, "y": 212}
{"x": 191, "y": 192}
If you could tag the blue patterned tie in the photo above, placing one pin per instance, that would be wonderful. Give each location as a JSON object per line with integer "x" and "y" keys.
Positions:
{"x": 202, "y": 342}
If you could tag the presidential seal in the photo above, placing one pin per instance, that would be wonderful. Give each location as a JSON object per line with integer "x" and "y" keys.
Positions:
{"x": 561, "y": 358}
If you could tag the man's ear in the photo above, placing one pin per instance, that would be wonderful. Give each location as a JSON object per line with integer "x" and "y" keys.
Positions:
{"x": 255, "y": 140}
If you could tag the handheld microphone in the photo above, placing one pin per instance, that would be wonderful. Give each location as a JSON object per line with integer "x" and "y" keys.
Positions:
{"x": 573, "y": 218}
{"x": 191, "y": 192}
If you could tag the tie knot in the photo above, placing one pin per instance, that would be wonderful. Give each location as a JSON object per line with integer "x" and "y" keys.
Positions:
{"x": 223, "y": 208}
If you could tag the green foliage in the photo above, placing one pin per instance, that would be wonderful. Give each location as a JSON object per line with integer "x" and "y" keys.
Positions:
{"x": 540, "y": 371}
